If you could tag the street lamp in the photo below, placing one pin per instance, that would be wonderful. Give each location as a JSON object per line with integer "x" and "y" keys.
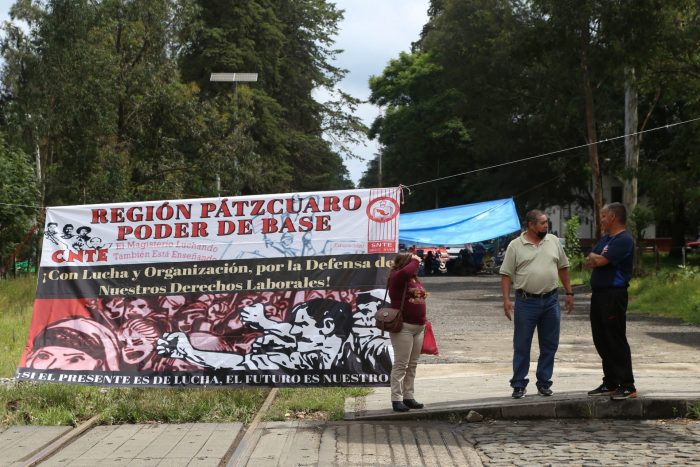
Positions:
{"x": 234, "y": 78}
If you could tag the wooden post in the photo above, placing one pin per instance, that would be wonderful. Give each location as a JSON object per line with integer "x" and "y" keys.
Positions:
{"x": 656, "y": 256}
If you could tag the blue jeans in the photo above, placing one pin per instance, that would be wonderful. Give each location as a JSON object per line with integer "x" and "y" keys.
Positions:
{"x": 545, "y": 315}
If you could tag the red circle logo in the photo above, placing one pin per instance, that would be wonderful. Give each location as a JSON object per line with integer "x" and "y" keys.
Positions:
{"x": 382, "y": 209}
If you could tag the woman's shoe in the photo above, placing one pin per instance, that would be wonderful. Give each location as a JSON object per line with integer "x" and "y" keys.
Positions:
{"x": 412, "y": 404}
{"x": 399, "y": 406}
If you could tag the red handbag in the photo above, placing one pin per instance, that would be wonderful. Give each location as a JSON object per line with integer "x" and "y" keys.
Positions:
{"x": 429, "y": 343}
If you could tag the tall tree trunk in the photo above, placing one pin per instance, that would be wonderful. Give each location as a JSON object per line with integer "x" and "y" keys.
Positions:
{"x": 591, "y": 129}
{"x": 678, "y": 226}
{"x": 629, "y": 196}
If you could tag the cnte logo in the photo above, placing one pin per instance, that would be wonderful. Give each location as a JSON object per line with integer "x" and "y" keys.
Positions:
{"x": 82, "y": 256}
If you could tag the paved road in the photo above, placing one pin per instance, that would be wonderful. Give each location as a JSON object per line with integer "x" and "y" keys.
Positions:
{"x": 467, "y": 315}
{"x": 556, "y": 442}
{"x": 595, "y": 442}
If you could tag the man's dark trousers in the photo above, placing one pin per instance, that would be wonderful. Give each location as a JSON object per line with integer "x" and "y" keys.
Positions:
{"x": 609, "y": 327}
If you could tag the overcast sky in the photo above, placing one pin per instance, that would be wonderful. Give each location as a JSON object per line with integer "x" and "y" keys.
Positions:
{"x": 372, "y": 33}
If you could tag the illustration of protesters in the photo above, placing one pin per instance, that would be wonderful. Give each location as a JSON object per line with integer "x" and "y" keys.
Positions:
{"x": 95, "y": 243}
{"x": 218, "y": 313}
{"x": 318, "y": 336}
{"x": 284, "y": 246}
{"x": 108, "y": 312}
{"x": 190, "y": 318}
{"x": 68, "y": 232}
{"x": 80, "y": 242}
{"x": 137, "y": 338}
{"x": 137, "y": 308}
{"x": 75, "y": 344}
{"x": 369, "y": 343}
{"x": 170, "y": 304}
{"x": 51, "y": 234}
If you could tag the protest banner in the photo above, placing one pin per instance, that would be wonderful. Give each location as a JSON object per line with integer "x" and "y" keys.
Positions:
{"x": 276, "y": 290}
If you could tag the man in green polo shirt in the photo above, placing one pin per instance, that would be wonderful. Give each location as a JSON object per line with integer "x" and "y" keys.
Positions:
{"x": 534, "y": 263}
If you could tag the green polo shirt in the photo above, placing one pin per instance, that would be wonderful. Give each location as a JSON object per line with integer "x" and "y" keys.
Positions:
{"x": 534, "y": 268}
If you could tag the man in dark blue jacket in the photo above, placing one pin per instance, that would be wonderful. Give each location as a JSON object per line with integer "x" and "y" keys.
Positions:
{"x": 611, "y": 261}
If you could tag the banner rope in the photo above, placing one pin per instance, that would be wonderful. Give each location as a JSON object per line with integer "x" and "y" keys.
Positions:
{"x": 551, "y": 153}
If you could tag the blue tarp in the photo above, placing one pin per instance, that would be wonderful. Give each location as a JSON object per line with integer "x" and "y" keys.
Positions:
{"x": 458, "y": 225}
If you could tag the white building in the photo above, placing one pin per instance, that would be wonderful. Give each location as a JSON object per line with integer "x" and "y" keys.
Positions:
{"x": 612, "y": 192}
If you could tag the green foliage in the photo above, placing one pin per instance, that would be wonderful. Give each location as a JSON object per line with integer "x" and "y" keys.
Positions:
{"x": 288, "y": 44}
{"x": 18, "y": 182}
{"x": 694, "y": 411}
{"x": 579, "y": 276}
{"x": 639, "y": 220}
{"x": 61, "y": 404}
{"x": 16, "y": 302}
{"x": 494, "y": 81}
{"x": 312, "y": 403}
{"x": 572, "y": 245}
{"x": 117, "y": 94}
{"x": 672, "y": 292}
{"x": 185, "y": 405}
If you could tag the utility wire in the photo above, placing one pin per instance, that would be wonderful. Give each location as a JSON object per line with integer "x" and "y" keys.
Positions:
{"x": 22, "y": 205}
{"x": 554, "y": 152}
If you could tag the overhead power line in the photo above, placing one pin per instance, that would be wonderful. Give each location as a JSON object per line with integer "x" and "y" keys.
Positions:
{"x": 552, "y": 153}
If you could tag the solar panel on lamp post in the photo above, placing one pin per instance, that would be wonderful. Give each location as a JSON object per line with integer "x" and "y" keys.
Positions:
{"x": 234, "y": 78}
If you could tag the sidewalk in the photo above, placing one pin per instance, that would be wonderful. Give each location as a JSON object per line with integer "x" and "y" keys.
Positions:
{"x": 663, "y": 391}
{"x": 374, "y": 435}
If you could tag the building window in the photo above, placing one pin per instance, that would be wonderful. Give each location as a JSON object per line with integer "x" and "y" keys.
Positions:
{"x": 616, "y": 194}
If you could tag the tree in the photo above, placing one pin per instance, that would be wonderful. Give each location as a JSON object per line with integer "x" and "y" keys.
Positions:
{"x": 471, "y": 96}
{"x": 103, "y": 92}
{"x": 18, "y": 198}
{"x": 288, "y": 44}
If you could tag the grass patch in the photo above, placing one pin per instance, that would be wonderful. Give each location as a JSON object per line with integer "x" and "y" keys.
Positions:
{"x": 206, "y": 405}
{"x": 694, "y": 411}
{"x": 672, "y": 292}
{"x": 312, "y": 403}
{"x": 16, "y": 302}
{"x": 59, "y": 404}
{"x": 579, "y": 276}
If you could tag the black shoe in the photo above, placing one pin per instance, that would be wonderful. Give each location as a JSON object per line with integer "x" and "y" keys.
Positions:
{"x": 624, "y": 393}
{"x": 602, "y": 390}
{"x": 412, "y": 404}
{"x": 519, "y": 393}
{"x": 399, "y": 406}
{"x": 545, "y": 391}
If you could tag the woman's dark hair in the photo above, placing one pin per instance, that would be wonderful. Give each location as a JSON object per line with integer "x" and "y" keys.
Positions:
{"x": 401, "y": 260}
{"x": 72, "y": 339}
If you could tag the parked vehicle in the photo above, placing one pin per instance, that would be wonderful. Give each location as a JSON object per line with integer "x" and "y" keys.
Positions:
{"x": 693, "y": 245}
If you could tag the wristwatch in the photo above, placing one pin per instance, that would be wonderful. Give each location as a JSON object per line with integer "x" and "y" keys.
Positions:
{"x": 570, "y": 293}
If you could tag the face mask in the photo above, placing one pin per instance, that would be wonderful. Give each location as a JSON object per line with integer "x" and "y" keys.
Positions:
{"x": 541, "y": 235}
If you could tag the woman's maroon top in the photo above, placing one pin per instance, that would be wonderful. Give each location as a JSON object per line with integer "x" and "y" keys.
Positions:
{"x": 413, "y": 310}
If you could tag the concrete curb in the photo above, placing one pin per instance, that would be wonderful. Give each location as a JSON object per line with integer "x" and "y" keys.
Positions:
{"x": 580, "y": 407}
{"x": 244, "y": 446}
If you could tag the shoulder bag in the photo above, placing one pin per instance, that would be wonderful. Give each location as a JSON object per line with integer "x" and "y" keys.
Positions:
{"x": 390, "y": 319}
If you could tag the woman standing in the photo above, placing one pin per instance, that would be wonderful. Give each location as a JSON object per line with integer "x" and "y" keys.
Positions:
{"x": 407, "y": 342}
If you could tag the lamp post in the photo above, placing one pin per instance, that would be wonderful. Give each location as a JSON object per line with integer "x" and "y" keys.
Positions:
{"x": 234, "y": 78}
